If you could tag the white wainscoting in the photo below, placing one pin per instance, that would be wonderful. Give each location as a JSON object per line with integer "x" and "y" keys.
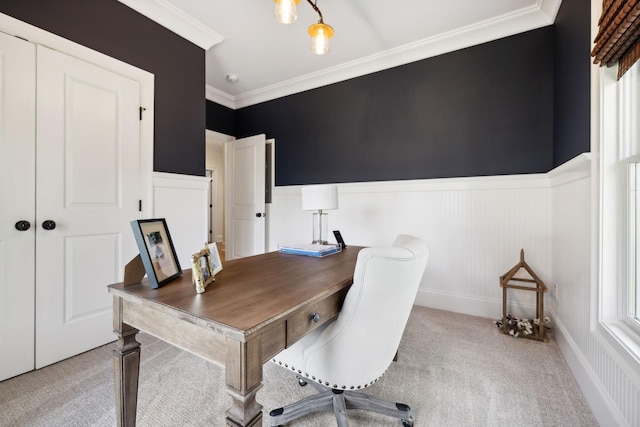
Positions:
{"x": 610, "y": 383}
{"x": 475, "y": 228}
{"x": 183, "y": 201}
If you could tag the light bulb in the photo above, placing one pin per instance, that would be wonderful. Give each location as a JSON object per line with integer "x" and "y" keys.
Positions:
{"x": 286, "y": 11}
{"x": 320, "y": 34}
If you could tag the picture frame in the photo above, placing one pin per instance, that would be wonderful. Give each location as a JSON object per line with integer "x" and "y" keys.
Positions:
{"x": 156, "y": 251}
{"x": 201, "y": 270}
{"x": 216, "y": 262}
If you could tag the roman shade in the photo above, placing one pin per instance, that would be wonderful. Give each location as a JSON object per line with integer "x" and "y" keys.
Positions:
{"x": 618, "y": 39}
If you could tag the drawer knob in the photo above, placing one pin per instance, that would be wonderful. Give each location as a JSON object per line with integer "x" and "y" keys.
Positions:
{"x": 315, "y": 317}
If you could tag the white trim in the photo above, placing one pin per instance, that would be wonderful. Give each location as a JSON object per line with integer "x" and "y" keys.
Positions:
{"x": 174, "y": 19}
{"x": 39, "y": 36}
{"x": 549, "y": 8}
{"x": 219, "y": 97}
{"x": 575, "y": 169}
{"x": 539, "y": 15}
{"x": 601, "y": 404}
{"x": 473, "y": 305}
{"x": 174, "y": 180}
{"x": 183, "y": 201}
{"x": 500, "y": 182}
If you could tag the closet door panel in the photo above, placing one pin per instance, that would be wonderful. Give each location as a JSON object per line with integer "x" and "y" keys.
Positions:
{"x": 17, "y": 203}
{"x": 88, "y": 183}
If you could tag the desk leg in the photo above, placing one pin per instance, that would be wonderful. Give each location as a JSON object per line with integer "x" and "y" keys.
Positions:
{"x": 244, "y": 379}
{"x": 126, "y": 369}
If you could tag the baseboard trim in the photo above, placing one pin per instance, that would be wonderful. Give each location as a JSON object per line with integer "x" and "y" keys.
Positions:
{"x": 599, "y": 400}
{"x": 457, "y": 303}
{"x": 473, "y": 305}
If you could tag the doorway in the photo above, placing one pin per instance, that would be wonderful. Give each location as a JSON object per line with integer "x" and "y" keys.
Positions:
{"x": 215, "y": 142}
{"x": 216, "y": 157}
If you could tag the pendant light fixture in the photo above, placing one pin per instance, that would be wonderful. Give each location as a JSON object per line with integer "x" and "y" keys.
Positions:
{"x": 320, "y": 33}
{"x": 286, "y": 11}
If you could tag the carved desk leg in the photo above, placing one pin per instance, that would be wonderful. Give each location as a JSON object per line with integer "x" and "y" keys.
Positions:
{"x": 244, "y": 379}
{"x": 126, "y": 368}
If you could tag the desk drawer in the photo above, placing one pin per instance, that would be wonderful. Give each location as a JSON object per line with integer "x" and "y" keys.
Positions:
{"x": 301, "y": 322}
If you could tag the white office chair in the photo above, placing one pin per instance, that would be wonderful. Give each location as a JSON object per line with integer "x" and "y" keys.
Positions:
{"x": 354, "y": 351}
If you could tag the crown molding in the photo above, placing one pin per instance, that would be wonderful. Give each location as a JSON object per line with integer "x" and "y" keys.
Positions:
{"x": 177, "y": 21}
{"x": 541, "y": 14}
{"x": 220, "y": 97}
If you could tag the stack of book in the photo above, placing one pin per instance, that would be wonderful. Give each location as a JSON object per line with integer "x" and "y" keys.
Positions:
{"x": 308, "y": 249}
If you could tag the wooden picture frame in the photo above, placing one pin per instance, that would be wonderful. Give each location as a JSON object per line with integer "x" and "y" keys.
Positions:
{"x": 216, "y": 262}
{"x": 156, "y": 250}
{"x": 201, "y": 270}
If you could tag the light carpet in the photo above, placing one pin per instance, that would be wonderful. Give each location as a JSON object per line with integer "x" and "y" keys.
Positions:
{"x": 453, "y": 370}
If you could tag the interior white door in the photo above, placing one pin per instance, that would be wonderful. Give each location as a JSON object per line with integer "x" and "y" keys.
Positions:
{"x": 244, "y": 200}
{"x": 17, "y": 203}
{"x": 88, "y": 183}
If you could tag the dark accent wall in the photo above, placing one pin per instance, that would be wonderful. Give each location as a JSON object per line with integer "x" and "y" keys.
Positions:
{"x": 517, "y": 105}
{"x": 572, "y": 121}
{"x": 112, "y": 28}
{"x": 484, "y": 110}
{"x": 221, "y": 119}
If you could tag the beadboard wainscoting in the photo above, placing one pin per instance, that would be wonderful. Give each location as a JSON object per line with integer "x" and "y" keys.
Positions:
{"x": 183, "y": 201}
{"x": 475, "y": 228}
{"x": 609, "y": 380}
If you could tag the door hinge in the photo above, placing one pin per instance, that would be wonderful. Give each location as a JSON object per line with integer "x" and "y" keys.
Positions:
{"x": 141, "y": 110}
{"x": 139, "y": 205}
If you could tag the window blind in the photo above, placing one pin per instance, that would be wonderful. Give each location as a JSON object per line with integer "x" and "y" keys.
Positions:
{"x": 618, "y": 38}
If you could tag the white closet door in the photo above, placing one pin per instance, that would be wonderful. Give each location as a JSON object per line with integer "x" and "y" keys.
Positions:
{"x": 88, "y": 183}
{"x": 17, "y": 203}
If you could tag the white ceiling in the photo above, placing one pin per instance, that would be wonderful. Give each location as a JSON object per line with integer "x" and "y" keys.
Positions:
{"x": 242, "y": 37}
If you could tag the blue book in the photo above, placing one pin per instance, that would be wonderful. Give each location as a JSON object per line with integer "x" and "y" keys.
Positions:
{"x": 309, "y": 249}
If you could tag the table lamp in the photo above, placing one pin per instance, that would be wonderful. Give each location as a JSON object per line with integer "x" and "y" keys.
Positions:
{"x": 319, "y": 198}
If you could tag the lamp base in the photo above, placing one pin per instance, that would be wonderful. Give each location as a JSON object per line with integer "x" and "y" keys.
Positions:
{"x": 319, "y": 228}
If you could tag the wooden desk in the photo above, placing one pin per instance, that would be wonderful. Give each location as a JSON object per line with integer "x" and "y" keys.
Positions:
{"x": 256, "y": 307}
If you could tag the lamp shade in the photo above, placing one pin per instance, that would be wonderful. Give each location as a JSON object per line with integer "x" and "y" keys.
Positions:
{"x": 319, "y": 197}
{"x": 286, "y": 11}
{"x": 320, "y": 34}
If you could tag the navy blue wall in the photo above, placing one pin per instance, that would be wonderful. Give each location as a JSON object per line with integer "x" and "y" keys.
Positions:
{"x": 498, "y": 108}
{"x": 512, "y": 106}
{"x": 572, "y": 73}
{"x": 484, "y": 110}
{"x": 221, "y": 119}
{"x": 112, "y": 28}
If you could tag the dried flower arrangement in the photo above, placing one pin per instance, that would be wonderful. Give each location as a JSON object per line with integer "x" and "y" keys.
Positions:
{"x": 518, "y": 326}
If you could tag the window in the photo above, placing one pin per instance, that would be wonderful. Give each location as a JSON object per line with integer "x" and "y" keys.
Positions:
{"x": 632, "y": 317}
{"x": 630, "y": 131}
{"x": 620, "y": 206}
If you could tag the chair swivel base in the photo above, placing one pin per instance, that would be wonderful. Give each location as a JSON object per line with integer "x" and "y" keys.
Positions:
{"x": 339, "y": 401}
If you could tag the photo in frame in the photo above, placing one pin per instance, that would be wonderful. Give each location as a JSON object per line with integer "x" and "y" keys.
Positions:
{"x": 201, "y": 270}
{"x": 156, "y": 250}
{"x": 216, "y": 262}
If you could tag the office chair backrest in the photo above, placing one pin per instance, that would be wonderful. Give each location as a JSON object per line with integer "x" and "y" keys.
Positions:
{"x": 356, "y": 349}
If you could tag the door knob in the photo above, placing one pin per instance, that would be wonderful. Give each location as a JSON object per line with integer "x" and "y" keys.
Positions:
{"x": 49, "y": 225}
{"x": 260, "y": 215}
{"x": 23, "y": 225}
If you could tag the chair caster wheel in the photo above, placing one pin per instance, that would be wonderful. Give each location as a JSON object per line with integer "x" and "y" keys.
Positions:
{"x": 407, "y": 423}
